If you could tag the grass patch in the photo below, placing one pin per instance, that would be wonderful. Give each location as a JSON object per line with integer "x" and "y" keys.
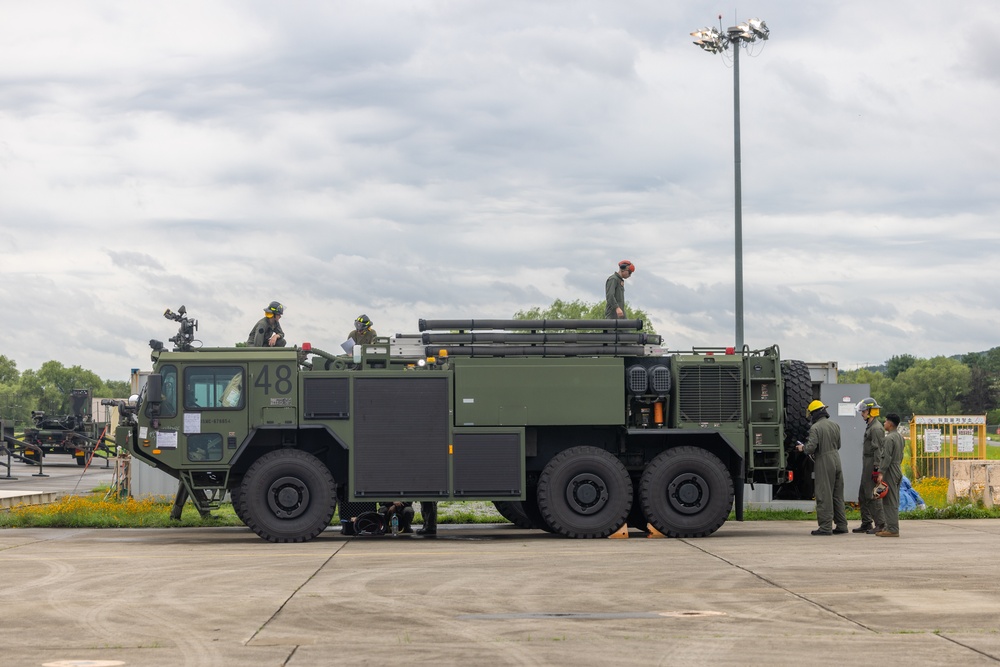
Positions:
{"x": 958, "y": 510}
{"x": 467, "y": 512}
{"x": 96, "y": 512}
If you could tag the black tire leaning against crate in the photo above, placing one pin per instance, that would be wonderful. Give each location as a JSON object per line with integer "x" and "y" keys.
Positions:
{"x": 798, "y": 394}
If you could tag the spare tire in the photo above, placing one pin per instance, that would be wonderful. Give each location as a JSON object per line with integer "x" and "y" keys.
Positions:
{"x": 798, "y": 394}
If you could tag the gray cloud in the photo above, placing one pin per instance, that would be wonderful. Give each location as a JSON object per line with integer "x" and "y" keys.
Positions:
{"x": 465, "y": 159}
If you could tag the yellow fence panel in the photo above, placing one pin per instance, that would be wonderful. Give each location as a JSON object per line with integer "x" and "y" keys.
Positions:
{"x": 937, "y": 440}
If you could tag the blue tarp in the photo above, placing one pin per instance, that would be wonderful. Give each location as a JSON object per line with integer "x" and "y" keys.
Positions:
{"x": 909, "y": 499}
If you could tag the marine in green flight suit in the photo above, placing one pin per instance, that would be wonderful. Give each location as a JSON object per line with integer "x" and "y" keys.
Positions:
{"x": 890, "y": 468}
{"x": 823, "y": 445}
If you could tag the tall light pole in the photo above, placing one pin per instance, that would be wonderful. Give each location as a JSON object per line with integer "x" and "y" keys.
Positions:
{"x": 715, "y": 41}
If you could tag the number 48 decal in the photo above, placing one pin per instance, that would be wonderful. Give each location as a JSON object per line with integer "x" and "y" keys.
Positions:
{"x": 282, "y": 379}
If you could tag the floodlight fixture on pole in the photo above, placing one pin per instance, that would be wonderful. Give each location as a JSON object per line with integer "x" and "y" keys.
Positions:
{"x": 715, "y": 41}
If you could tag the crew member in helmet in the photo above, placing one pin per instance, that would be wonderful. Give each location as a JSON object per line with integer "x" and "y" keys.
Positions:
{"x": 267, "y": 332}
{"x": 890, "y": 471}
{"x": 614, "y": 290}
{"x": 872, "y": 518}
{"x": 363, "y": 334}
{"x": 823, "y": 445}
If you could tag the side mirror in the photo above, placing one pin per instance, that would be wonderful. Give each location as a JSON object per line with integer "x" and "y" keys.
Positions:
{"x": 154, "y": 390}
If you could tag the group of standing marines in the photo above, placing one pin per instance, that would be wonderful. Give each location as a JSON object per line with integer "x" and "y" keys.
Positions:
{"x": 882, "y": 452}
{"x": 881, "y": 471}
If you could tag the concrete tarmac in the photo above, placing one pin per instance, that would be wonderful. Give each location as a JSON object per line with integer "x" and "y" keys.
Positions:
{"x": 755, "y": 593}
{"x": 60, "y": 475}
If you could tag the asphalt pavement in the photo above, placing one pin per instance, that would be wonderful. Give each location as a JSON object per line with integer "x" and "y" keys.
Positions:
{"x": 755, "y": 593}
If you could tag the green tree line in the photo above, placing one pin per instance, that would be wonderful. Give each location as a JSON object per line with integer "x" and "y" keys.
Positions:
{"x": 581, "y": 310}
{"x": 906, "y": 385}
{"x": 48, "y": 388}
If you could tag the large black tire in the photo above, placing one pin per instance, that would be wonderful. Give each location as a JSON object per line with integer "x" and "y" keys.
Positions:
{"x": 234, "y": 497}
{"x": 585, "y": 492}
{"x": 288, "y": 496}
{"x": 532, "y": 511}
{"x": 798, "y": 394}
{"x": 686, "y": 492}
{"x": 513, "y": 512}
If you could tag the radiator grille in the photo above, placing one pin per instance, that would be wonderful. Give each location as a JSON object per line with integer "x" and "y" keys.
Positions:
{"x": 710, "y": 393}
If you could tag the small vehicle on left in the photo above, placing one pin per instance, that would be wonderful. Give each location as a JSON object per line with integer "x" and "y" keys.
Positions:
{"x": 76, "y": 434}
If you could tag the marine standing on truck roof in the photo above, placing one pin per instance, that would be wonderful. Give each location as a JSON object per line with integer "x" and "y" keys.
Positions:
{"x": 363, "y": 334}
{"x": 872, "y": 518}
{"x": 890, "y": 471}
{"x": 267, "y": 332}
{"x": 614, "y": 290}
{"x": 823, "y": 445}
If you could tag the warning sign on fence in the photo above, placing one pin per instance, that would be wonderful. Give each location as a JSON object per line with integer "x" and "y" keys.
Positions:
{"x": 932, "y": 440}
{"x": 966, "y": 440}
{"x": 936, "y": 441}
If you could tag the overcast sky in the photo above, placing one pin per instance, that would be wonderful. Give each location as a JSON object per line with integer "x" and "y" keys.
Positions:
{"x": 470, "y": 159}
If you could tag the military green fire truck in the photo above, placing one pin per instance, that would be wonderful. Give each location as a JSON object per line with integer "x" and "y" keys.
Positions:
{"x": 585, "y": 426}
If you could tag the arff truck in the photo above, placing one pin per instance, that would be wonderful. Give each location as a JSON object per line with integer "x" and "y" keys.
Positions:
{"x": 585, "y": 423}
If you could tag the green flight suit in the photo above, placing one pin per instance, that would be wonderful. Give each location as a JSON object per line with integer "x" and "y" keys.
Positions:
{"x": 823, "y": 445}
{"x": 261, "y": 333}
{"x": 892, "y": 474}
{"x": 362, "y": 337}
{"x": 871, "y": 452}
{"x": 614, "y": 294}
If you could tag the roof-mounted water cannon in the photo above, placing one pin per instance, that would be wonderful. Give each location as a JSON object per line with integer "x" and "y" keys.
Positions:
{"x": 183, "y": 341}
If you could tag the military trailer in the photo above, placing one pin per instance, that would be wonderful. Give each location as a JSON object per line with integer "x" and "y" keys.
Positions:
{"x": 582, "y": 426}
{"x": 76, "y": 434}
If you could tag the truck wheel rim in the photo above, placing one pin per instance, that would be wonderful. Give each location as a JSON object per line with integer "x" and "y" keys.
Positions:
{"x": 587, "y": 493}
{"x": 688, "y": 493}
{"x": 288, "y": 497}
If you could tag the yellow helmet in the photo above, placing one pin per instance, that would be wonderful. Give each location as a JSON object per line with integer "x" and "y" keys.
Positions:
{"x": 814, "y": 406}
{"x": 869, "y": 404}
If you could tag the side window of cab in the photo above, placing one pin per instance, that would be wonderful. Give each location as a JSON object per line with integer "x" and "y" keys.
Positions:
{"x": 213, "y": 388}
